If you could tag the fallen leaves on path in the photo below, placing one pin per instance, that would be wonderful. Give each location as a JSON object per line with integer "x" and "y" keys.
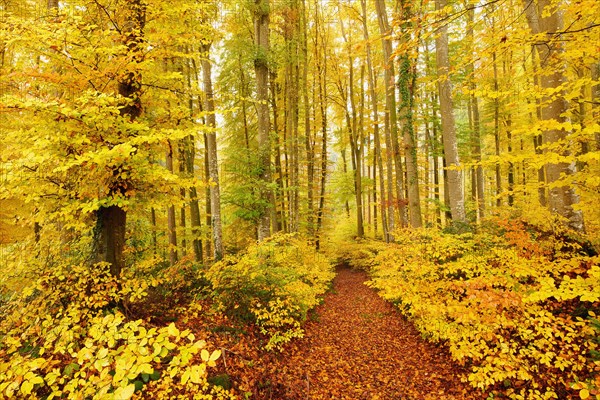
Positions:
{"x": 360, "y": 347}
{"x": 356, "y": 346}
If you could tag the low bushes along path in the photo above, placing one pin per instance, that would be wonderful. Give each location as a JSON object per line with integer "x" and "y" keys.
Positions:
{"x": 359, "y": 346}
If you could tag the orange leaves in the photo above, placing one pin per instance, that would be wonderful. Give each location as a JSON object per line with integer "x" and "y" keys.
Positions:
{"x": 360, "y": 347}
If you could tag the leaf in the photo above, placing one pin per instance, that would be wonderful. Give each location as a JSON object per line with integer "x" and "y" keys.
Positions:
{"x": 584, "y": 394}
{"x": 124, "y": 393}
{"x": 215, "y": 355}
{"x": 205, "y": 355}
{"x": 172, "y": 329}
{"x": 26, "y": 387}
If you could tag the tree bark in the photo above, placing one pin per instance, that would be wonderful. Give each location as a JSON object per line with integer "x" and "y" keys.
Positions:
{"x": 407, "y": 76}
{"x": 111, "y": 221}
{"x": 385, "y": 30}
{"x": 544, "y": 17}
{"x": 171, "y": 219}
{"x": 211, "y": 154}
{"x": 261, "y": 37}
{"x": 478, "y": 181}
{"x": 355, "y": 139}
{"x": 376, "y": 139}
{"x": 455, "y": 184}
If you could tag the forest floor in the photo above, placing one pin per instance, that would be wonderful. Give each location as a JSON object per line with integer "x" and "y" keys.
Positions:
{"x": 358, "y": 346}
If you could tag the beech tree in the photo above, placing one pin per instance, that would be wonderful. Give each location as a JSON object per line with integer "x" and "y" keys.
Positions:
{"x": 261, "y": 67}
{"x": 546, "y": 22}
{"x": 455, "y": 184}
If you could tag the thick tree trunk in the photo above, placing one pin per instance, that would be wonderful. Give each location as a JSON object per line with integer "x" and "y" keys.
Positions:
{"x": 261, "y": 35}
{"x": 455, "y": 184}
{"x": 110, "y": 237}
{"x": 543, "y": 17}
{"x": 111, "y": 221}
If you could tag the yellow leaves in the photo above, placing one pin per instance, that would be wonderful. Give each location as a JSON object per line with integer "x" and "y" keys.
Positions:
{"x": 584, "y": 394}
{"x": 195, "y": 374}
{"x": 210, "y": 358}
{"x": 472, "y": 296}
{"x": 124, "y": 393}
{"x": 172, "y": 330}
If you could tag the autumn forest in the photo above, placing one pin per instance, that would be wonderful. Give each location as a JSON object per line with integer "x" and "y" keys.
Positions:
{"x": 291, "y": 199}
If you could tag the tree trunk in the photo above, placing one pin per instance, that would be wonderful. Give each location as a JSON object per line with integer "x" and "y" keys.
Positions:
{"x": 543, "y": 17}
{"x": 345, "y": 170}
{"x": 171, "y": 219}
{"x": 455, "y": 184}
{"x": 478, "y": 180}
{"x": 355, "y": 140}
{"x": 261, "y": 34}
{"x": 182, "y": 193}
{"x": 407, "y": 77}
{"x": 376, "y": 139}
{"x": 211, "y": 154}
{"x": 390, "y": 102}
{"x": 277, "y": 198}
{"x": 111, "y": 221}
{"x": 322, "y": 83}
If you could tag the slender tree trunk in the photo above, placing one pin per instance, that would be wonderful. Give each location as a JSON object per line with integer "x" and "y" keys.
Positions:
{"x": 385, "y": 31}
{"x": 455, "y": 184}
{"x": 190, "y": 160}
{"x": 182, "y": 193}
{"x": 154, "y": 228}
{"x": 211, "y": 154}
{"x": 407, "y": 79}
{"x": 437, "y": 153}
{"x": 376, "y": 139}
{"x": 497, "y": 134}
{"x": 355, "y": 139}
{"x": 207, "y": 203}
{"x": 478, "y": 181}
{"x": 277, "y": 198}
{"x": 596, "y": 99}
{"x": 243, "y": 86}
{"x": 171, "y": 220}
{"x": 345, "y": 170}
{"x": 537, "y": 139}
{"x": 323, "y": 107}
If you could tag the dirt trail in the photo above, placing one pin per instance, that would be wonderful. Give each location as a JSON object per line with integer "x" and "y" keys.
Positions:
{"x": 361, "y": 347}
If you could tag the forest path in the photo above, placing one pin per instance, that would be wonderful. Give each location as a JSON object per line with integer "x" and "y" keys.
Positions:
{"x": 360, "y": 347}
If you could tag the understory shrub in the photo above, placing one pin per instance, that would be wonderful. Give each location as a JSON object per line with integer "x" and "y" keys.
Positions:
{"x": 273, "y": 283}
{"x": 358, "y": 254}
{"x": 65, "y": 336}
{"x": 511, "y": 304}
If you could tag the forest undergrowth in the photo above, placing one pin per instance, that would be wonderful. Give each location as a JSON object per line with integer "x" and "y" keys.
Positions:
{"x": 515, "y": 303}
{"x": 509, "y": 311}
